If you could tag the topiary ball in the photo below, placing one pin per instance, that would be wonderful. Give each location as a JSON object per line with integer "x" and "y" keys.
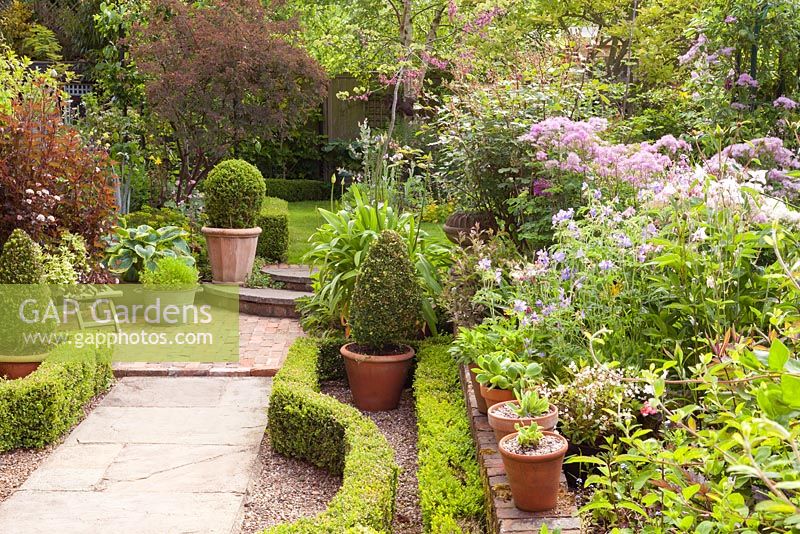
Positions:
{"x": 385, "y": 305}
{"x": 234, "y": 192}
{"x": 21, "y": 260}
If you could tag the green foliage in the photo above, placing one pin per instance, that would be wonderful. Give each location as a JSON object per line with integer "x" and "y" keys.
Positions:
{"x": 386, "y": 297}
{"x": 21, "y": 260}
{"x": 306, "y": 424}
{"x": 26, "y": 37}
{"x": 234, "y": 194}
{"x": 529, "y": 435}
{"x": 256, "y": 278}
{"x": 330, "y": 365}
{"x": 169, "y": 274}
{"x": 38, "y": 409}
{"x": 450, "y": 487}
{"x": 530, "y": 404}
{"x": 273, "y": 243}
{"x": 727, "y": 465}
{"x": 157, "y": 218}
{"x": 66, "y": 263}
{"x": 497, "y": 370}
{"x": 340, "y": 247}
{"x": 297, "y": 190}
{"x": 132, "y": 250}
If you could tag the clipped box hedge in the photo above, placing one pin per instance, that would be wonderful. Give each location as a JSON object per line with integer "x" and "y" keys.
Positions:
{"x": 450, "y": 488}
{"x": 298, "y": 190}
{"x": 38, "y": 409}
{"x": 273, "y": 243}
{"x": 306, "y": 424}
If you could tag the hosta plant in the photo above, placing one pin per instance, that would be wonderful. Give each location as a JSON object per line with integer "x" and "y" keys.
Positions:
{"x": 131, "y": 250}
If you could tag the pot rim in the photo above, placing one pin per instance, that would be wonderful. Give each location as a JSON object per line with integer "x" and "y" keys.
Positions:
{"x": 376, "y": 358}
{"x": 494, "y": 407}
{"x": 484, "y": 388}
{"x": 533, "y": 459}
{"x": 239, "y": 233}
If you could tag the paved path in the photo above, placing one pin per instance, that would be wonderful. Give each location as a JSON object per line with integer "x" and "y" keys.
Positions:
{"x": 263, "y": 344}
{"x": 158, "y": 455}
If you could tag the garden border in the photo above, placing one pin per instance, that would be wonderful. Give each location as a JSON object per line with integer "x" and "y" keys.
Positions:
{"x": 503, "y": 516}
{"x": 40, "y": 408}
{"x": 307, "y": 424}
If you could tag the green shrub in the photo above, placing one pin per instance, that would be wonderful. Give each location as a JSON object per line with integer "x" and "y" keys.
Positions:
{"x": 38, "y": 409}
{"x": 68, "y": 262}
{"x": 450, "y": 488}
{"x": 386, "y": 297}
{"x": 157, "y": 218}
{"x": 170, "y": 274}
{"x": 298, "y": 190}
{"x": 306, "y": 424}
{"x": 273, "y": 243}
{"x": 21, "y": 260}
{"x": 234, "y": 194}
{"x": 330, "y": 365}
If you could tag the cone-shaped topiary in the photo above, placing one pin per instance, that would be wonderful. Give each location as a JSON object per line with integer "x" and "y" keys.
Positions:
{"x": 234, "y": 193}
{"x": 386, "y": 299}
{"x": 21, "y": 260}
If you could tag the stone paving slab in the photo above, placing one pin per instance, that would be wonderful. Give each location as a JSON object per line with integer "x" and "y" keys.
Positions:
{"x": 158, "y": 455}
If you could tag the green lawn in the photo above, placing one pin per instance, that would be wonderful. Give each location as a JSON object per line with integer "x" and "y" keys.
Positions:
{"x": 304, "y": 219}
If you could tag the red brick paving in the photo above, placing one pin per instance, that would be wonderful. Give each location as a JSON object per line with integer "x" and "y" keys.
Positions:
{"x": 263, "y": 344}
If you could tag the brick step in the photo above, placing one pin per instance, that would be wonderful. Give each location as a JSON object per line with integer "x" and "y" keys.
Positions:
{"x": 291, "y": 277}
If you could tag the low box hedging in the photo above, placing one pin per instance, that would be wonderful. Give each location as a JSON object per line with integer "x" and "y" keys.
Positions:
{"x": 306, "y": 424}
{"x": 273, "y": 243}
{"x": 450, "y": 488}
{"x": 38, "y": 409}
{"x": 298, "y": 190}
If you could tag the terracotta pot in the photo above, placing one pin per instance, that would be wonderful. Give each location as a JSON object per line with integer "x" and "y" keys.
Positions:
{"x": 534, "y": 480}
{"x": 14, "y": 370}
{"x": 459, "y": 225}
{"x": 493, "y": 396}
{"x": 504, "y": 426}
{"x": 476, "y": 387}
{"x": 376, "y": 380}
{"x": 231, "y": 252}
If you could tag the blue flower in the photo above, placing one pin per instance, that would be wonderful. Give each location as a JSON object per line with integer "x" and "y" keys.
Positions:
{"x": 606, "y": 265}
{"x": 485, "y": 264}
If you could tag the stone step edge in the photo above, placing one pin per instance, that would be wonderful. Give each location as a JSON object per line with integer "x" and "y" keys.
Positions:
{"x": 190, "y": 369}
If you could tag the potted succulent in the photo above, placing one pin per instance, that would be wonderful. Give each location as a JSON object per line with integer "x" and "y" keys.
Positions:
{"x": 528, "y": 408}
{"x": 233, "y": 192}
{"x": 384, "y": 311}
{"x": 533, "y": 459}
{"x": 170, "y": 286}
{"x": 498, "y": 375}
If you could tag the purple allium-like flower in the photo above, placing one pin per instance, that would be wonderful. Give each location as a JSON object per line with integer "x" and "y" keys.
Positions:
{"x": 485, "y": 264}
{"x": 520, "y": 306}
{"x": 785, "y": 103}
{"x": 606, "y": 265}
{"x": 745, "y": 80}
{"x": 566, "y": 274}
{"x": 559, "y": 256}
{"x": 598, "y": 194}
{"x": 623, "y": 241}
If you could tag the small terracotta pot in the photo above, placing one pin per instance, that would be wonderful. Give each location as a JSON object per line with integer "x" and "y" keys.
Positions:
{"x": 504, "y": 426}
{"x": 376, "y": 380}
{"x": 14, "y": 370}
{"x": 493, "y": 396}
{"x": 534, "y": 480}
{"x": 476, "y": 387}
{"x": 231, "y": 252}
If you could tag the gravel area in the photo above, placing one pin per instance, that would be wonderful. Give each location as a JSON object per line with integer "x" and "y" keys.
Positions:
{"x": 547, "y": 445}
{"x": 400, "y": 428}
{"x": 17, "y": 465}
{"x": 285, "y": 489}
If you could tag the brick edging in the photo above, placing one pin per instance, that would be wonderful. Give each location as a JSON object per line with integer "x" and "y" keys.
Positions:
{"x": 183, "y": 369}
{"x": 502, "y": 516}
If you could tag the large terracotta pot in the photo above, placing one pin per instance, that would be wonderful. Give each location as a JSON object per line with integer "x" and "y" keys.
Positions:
{"x": 476, "y": 387}
{"x": 534, "y": 480}
{"x": 231, "y": 252}
{"x": 504, "y": 426}
{"x": 493, "y": 395}
{"x": 460, "y": 225}
{"x": 376, "y": 380}
{"x": 14, "y": 370}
